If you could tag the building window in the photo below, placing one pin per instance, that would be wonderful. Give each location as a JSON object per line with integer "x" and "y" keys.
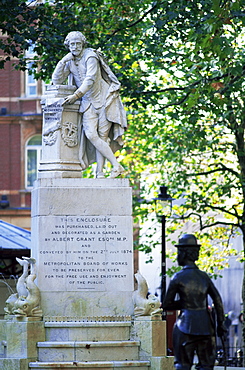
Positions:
{"x": 33, "y": 156}
{"x": 31, "y": 82}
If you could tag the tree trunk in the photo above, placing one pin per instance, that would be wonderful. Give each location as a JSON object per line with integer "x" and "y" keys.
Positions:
{"x": 243, "y": 300}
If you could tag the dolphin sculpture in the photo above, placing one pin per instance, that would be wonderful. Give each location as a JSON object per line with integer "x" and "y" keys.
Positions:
{"x": 145, "y": 305}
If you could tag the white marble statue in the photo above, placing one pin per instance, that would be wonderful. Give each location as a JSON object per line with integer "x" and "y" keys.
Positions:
{"x": 145, "y": 305}
{"x": 103, "y": 118}
{"x": 26, "y": 302}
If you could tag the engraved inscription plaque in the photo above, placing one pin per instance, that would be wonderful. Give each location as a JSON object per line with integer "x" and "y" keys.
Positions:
{"x": 86, "y": 253}
{"x": 52, "y": 113}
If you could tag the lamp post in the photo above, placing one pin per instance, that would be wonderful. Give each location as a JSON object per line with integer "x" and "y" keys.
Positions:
{"x": 163, "y": 207}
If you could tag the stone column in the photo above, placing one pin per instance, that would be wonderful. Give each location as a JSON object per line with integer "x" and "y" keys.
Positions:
{"x": 60, "y": 134}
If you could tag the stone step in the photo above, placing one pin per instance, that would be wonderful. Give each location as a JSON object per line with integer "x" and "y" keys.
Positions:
{"x": 88, "y": 351}
{"x": 106, "y": 365}
{"x": 87, "y": 331}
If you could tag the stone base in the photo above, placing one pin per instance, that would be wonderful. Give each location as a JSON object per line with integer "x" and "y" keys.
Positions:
{"x": 21, "y": 338}
{"x": 61, "y": 174}
{"x": 82, "y": 240}
{"x": 14, "y": 363}
{"x": 79, "y": 304}
{"x": 60, "y": 169}
{"x": 22, "y": 318}
{"x": 151, "y": 331}
{"x": 162, "y": 363}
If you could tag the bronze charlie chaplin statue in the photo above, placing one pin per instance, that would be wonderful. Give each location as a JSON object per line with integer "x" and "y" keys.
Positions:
{"x": 194, "y": 331}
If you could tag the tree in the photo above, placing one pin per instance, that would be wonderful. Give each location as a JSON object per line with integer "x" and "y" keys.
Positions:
{"x": 181, "y": 64}
{"x": 202, "y": 104}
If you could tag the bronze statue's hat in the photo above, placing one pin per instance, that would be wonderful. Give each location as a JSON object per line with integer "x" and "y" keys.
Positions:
{"x": 188, "y": 240}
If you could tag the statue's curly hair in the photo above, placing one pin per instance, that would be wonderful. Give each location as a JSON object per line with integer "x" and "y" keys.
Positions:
{"x": 77, "y": 34}
{"x": 191, "y": 253}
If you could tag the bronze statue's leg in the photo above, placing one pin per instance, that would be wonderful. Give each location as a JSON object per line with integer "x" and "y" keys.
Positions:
{"x": 184, "y": 350}
{"x": 206, "y": 352}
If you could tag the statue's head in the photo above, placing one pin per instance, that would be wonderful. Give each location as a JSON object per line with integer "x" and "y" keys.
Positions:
{"x": 75, "y": 36}
{"x": 22, "y": 307}
{"x": 188, "y": 249}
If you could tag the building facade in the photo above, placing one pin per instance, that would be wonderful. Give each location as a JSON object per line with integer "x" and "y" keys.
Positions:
{"x": 20, "y": 142}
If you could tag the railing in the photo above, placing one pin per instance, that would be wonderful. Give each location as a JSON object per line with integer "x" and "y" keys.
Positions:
{"x": 232, "y": 358}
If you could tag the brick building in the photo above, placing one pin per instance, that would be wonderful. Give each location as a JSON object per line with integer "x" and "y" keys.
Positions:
{"x": 20, "y": 142}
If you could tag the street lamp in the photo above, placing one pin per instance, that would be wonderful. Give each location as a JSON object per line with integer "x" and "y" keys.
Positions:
{"x": 163, "y": 208}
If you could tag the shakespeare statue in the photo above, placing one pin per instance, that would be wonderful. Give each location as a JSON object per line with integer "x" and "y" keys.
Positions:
{"x": 194, "y": 331}
{"x": 102, "y": 115}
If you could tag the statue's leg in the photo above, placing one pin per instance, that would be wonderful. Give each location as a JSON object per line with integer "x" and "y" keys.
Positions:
{"x": 100, "y": 159}
{"x": 103, "y": 150}
{"x": 184, "y": 349}
{"x": 206, "y": 352}
{"x": 103, "y": 130}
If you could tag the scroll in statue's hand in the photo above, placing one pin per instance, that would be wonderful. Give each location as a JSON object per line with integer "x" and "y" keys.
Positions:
{"x": 70, "y": 99}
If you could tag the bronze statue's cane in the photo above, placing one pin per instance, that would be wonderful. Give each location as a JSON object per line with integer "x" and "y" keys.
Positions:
{"x": 224, "y": 350}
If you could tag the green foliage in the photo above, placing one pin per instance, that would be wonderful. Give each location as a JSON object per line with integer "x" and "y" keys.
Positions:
{"x": 181, "y": 64}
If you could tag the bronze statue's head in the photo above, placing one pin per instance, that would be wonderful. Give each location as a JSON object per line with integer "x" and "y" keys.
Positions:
{"x": 187, "y": 240}
{"x": 188, "y": 249}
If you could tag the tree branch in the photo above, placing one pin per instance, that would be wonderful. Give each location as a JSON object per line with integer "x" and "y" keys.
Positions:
{"x": 189, "y": 87}
{"x": 223, "y": 210}
{"x": 202, "y": 226}
{"x": 171, "y": 88}
{"x": 135, "y": 22}
{"x": 220, "y": 223}
{"x": 180, "y": 101}
{"x": 225, "y": 168}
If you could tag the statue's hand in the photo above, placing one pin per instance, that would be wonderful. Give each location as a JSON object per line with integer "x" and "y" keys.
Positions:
{"x": 67, "y": 58}
{"x": 70, "y": 99}
{"x": 221, "y": 330}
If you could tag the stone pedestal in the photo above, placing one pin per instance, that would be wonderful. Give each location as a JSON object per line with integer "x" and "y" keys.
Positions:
{"x": 21, "y": 336}
{"x": 151, "y": 331}
{"x": 60, "y": 134}
{"x": 82, "y": 241}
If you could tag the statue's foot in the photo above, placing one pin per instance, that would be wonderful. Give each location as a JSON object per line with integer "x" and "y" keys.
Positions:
{"x": 100, "y": 175}
{"x": 116, "y": 171}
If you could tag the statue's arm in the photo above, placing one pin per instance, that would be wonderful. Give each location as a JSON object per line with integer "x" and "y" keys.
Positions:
{"x": 217, "y": 301}
{"x": 62, "y": 70}
{"x": 92, "y": 65}
{"x": 169, "y": 302}
{"x": 219, "y": 308}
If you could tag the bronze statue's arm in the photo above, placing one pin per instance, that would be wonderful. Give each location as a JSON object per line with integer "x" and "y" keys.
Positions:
{"x": 176, "y": 305}
{"x": 219, "y": 308}
{"x": 169, "y": 302}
